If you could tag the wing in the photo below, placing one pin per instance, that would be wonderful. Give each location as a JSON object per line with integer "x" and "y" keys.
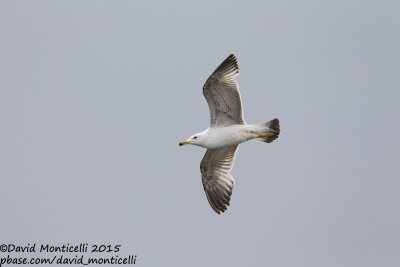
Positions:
{"x": 222, "y": 94}
{"x": 217, "y": 181}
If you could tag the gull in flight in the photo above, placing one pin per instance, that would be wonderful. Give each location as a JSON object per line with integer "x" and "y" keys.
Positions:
{"x": 227, "y": 130}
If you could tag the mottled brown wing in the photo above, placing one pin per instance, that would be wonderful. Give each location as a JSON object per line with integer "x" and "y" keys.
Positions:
{"x": 222, "y": 94}
{"x": 217, "y": 181}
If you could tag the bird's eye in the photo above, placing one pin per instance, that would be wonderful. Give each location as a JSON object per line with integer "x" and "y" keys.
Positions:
{"x": 195, "y": 137}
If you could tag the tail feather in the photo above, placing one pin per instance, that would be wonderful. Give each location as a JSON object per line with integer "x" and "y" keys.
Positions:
{"x": 272, "y": 132}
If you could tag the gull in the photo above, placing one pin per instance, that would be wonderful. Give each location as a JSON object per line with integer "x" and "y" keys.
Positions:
{"x": 227, "y": 130}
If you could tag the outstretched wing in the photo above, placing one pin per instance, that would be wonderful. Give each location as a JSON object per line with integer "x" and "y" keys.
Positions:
{"x": 222, "y": 94}
{"x": 217, "y": 181}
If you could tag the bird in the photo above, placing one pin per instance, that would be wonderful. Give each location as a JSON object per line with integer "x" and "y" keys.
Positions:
{"x": 227, "y": 130}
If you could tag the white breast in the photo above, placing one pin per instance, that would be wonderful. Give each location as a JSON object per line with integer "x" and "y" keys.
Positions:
{"x": 226, "y": 136}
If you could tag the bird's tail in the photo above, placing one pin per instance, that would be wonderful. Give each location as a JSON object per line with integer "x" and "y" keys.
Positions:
{"x": 270, "y": 131}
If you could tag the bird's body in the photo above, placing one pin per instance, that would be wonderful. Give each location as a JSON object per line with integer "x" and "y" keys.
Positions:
{"x": 227, "y": 130}
{"x": 230, "y": 135}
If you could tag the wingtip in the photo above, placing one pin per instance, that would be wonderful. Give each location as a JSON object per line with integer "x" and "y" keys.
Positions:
{"x": 229, "y": 65}
{"x": 214, "y": 204}
{"x": 232, "y": 57}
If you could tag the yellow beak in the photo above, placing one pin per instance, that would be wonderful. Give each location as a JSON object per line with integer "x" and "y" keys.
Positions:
{"x": 184, "y": 143}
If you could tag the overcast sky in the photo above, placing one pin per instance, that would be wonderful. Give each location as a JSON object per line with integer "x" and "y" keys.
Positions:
{"x": 96, "y": 95}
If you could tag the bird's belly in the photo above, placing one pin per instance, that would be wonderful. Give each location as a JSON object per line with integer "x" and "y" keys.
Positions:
{"x": 226, "y": 136}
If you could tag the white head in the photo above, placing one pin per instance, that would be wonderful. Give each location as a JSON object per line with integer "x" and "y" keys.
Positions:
{"x": 196, "y": 139}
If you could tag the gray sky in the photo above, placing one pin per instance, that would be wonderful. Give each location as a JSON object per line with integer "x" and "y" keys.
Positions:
{"x": 96, "y": 95}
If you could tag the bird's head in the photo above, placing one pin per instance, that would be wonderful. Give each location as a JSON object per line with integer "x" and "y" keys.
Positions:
{"x": 196, "y": 139}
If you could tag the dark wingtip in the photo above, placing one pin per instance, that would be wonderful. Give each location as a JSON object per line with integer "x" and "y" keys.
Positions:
{"x": 228, "y": 65}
